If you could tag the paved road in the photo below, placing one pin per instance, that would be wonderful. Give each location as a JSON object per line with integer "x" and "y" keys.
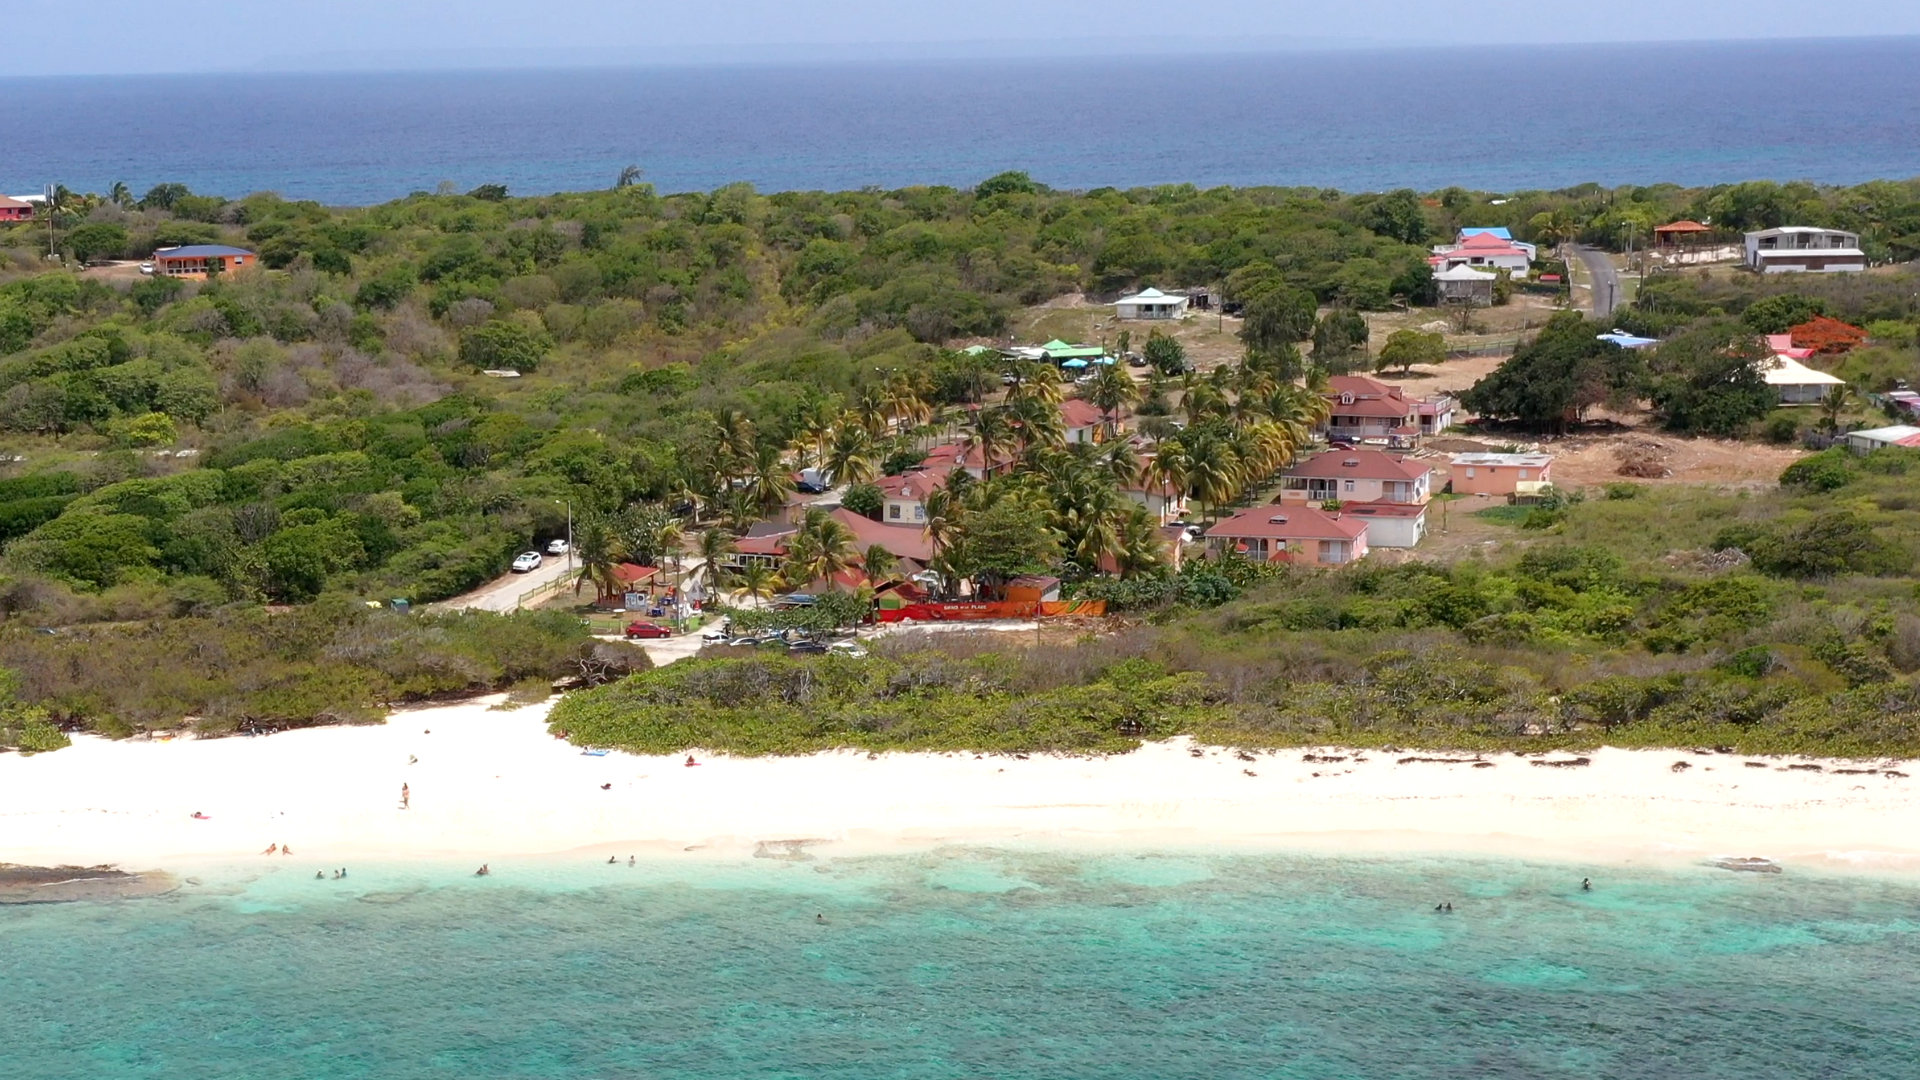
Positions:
{"x": 1606, "y": 282}
{"x": 503, "y": 593}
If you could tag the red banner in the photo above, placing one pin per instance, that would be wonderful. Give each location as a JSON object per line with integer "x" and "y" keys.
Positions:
{"x": 989, "y": 609}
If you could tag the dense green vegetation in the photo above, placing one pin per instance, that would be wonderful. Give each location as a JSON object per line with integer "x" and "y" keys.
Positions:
{"x": 1775, "y": 623}
{"x": 182, "y": 455}
{"x": 247, "y": 670}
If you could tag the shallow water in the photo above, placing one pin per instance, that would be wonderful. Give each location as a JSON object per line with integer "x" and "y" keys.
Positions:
{"x": 975, "y": 963}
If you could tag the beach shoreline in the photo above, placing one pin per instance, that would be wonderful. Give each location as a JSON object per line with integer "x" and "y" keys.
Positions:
{"x": 491, "y": 786}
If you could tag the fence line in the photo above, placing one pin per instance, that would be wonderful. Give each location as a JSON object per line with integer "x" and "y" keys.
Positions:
{"x": 547, "y": 589}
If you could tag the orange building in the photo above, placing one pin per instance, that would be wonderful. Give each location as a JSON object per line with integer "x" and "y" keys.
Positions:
{"x": 199, "y": 262}
{"x": 1501, "y": 474}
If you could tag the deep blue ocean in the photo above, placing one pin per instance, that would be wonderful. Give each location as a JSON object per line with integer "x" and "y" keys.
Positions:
{"x": 975, "y": 963}
{"x": 1490, "y": 118}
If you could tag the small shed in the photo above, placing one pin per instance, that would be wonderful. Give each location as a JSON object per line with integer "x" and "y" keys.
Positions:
{"x": 1863, "y": 442}
{"x": 1033, "y": 589}
{"x": 1465, "y": 285}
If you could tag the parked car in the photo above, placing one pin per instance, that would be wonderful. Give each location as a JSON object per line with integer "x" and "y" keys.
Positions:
{"x": 557, "y": 547}
{"x": 525, "y": 561}
{"x": 813, "y": 647}
{"x": 146, "y": 268}
{"x": 715, "y": 634}
{"x": 848, "y": 648}
{"x": 745, "y": 641}
{"x": 640, "y": 628}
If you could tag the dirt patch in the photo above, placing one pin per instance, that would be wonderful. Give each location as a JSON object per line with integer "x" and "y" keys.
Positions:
{"x": 1580, "y": 461}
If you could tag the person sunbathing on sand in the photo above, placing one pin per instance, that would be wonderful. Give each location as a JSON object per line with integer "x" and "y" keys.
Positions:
{"x": 271, "y": 848}
{"x": 286, "y": 851}
{"x": 690, "y": 762}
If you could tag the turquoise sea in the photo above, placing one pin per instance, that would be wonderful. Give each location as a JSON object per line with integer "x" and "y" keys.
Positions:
{"x": 975, "y": 963}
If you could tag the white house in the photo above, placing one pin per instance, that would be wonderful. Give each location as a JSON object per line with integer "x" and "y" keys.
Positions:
{"x": 1485, "y": 251}
{"x": 1150, "y": 304}
{"x": 1391, "y": 525}
{"x": 1862, "y": 442}
{"x": 1802, "y": 249}
{"x": 1797, "y": 383}
{"x": 1498, "y": 232}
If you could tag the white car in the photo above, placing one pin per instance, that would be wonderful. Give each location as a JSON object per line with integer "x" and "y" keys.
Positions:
{"x": 525, "y": 561}
{"x": 146, "y": 268}
{"x": 557, "y": 547}
{"x": 848, "y": 648}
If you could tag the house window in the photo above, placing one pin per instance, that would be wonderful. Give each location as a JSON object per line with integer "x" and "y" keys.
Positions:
{"x": 919, "y": 512}
{"x": 1349, "y": 485}
{"x": 1469, "y": 472}
{"x": 1523, "y": 474}
{"x": 893, "y": 511}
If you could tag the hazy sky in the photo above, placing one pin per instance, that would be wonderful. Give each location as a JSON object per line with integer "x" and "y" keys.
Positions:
{"x": 104, "y": 36}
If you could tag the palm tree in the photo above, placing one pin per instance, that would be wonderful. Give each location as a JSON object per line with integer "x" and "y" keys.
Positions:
{"x": 880, "y": 564}
{"x": 1111, "y": 390}
{"x": 757, "y": 580}
{"x": 821, "y": 549}
{"x": 873, "y": 410}
{"x": 596, "y": 550}
{"x": 769, "y": 480}
{"x": 732, "y": 440}
{"x": 991, "y": 435}
{"x": 121, "y": 194}
{"x": 1833, "y": 404}
{"x": 1036, "y": 423}
{"x": 1167, "y": 468}
{"x": 1140, "y": 546}
{"x": 1213, "y": 470}
{"x": 944, "y": 505}
{"x": 850, "y": 458}
{"x": 714, "y": 547}
{"x": 1119, "y": 460}
{"x": 1035, "y": 380}
{"x": 817, "y": 417}
{"x": 629, "y": 176}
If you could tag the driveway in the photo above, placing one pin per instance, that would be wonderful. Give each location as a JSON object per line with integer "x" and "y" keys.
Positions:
{"x": 504, "y": 593}
{"x": 1606, "y": 281}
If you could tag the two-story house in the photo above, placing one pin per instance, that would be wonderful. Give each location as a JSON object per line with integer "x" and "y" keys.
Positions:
{"x": 906, "y": 498}
{"x": 1800, "y": 249}
{"x": 1356, "y": 476}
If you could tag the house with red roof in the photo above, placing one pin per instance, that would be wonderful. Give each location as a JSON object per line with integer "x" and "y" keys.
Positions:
{"x": 1082, "y": 420}
{"x": 1299, "y": 534}
{"x": 947, "y": 457}
{"x": 1363, "y": 408}
{"x": 1484, "y": 251}
{"x": 15, "y": 210}
{"x": 906, "y": 497}
{"x": 1345, "y": 476}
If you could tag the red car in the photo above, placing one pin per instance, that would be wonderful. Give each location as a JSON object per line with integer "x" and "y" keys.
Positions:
{"x": 647, "y": 630}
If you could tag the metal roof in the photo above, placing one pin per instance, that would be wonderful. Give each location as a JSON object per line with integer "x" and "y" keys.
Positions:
{"x": 202, "y": 251}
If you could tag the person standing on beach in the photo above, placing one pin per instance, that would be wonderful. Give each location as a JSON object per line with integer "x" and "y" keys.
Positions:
{"x": 406, "y": 797}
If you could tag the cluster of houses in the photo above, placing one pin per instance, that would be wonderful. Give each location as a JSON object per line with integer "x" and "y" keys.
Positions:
{"x": 1465, "y": 270}
{"x": 1338, "y": 504}
{"x": 1366, "y": 490}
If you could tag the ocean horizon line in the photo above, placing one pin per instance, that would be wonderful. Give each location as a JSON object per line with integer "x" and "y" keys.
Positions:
{"x": 853, "y": 55}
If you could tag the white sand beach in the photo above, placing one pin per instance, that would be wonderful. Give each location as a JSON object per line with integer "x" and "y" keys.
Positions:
{"x": 491, "y": 785}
